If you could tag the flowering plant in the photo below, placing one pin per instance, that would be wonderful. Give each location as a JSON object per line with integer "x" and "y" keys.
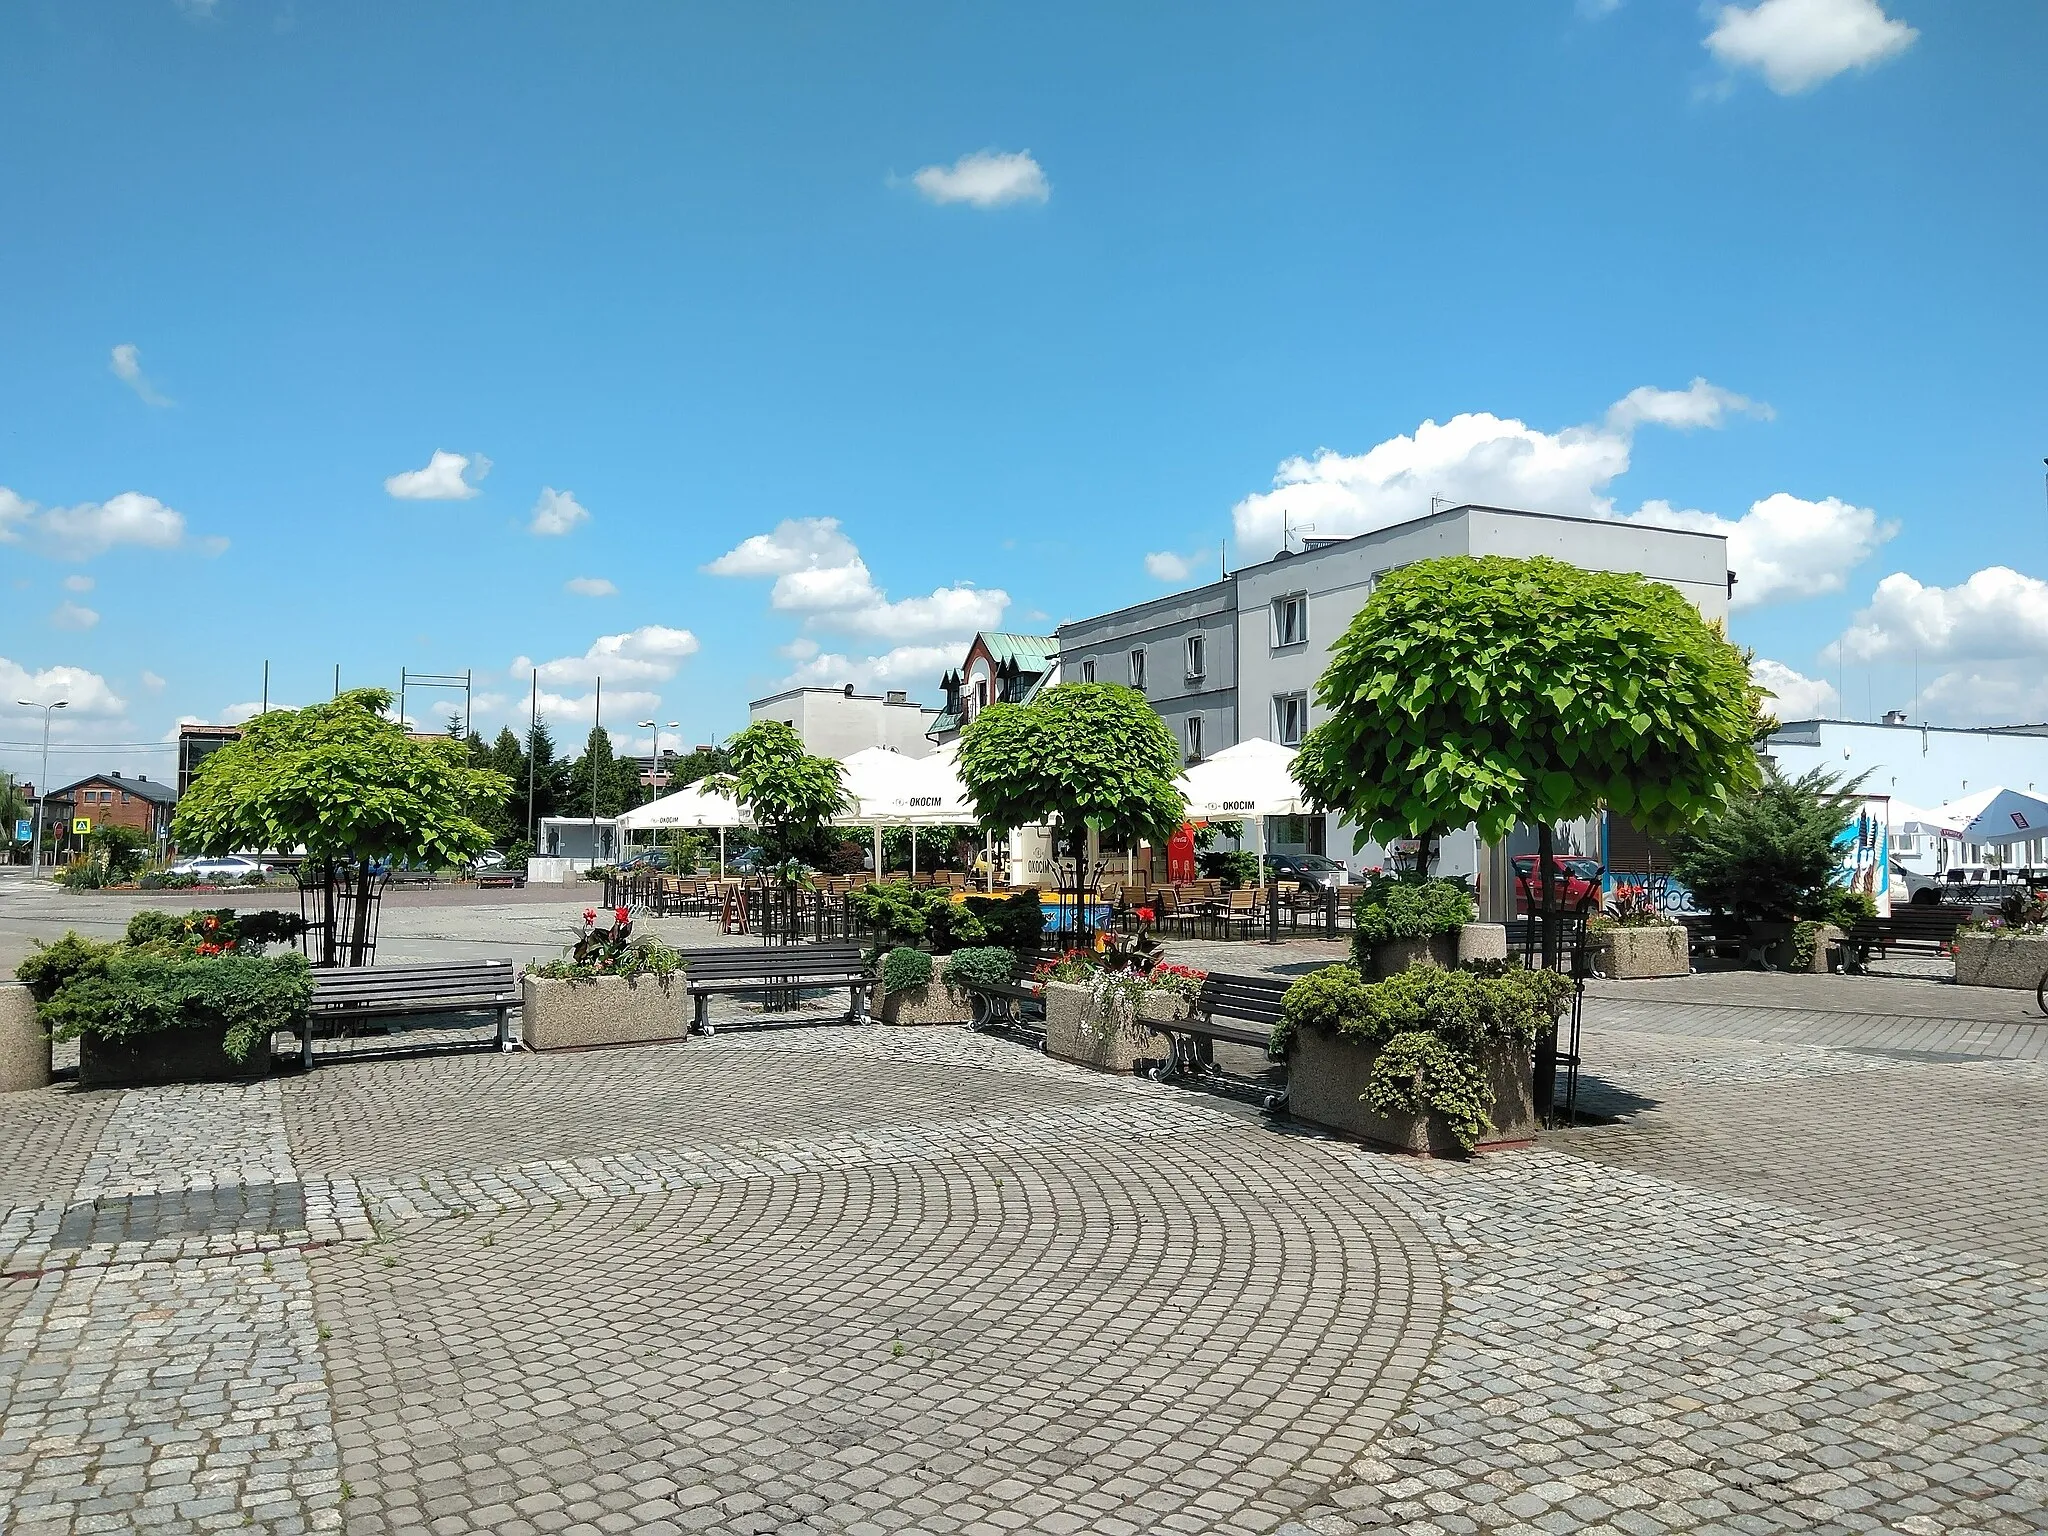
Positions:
{"x": 1632, "y": 906}
{"x": 610, "y": 952}
{"x": 1183, "y": 981}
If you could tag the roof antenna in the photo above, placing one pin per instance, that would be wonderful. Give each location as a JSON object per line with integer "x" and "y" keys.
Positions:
{"x": 1289, "y": 533}
{"x": 1437, "y": 504}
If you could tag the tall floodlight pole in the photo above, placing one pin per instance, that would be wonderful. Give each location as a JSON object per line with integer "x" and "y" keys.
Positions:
{"x": 35, "y": 853}
{"x": 590, "y": 763}
{"x": 532, "y": 736}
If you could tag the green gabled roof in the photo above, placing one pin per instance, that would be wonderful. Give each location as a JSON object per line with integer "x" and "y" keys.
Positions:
{"x": 1028, "y": 653}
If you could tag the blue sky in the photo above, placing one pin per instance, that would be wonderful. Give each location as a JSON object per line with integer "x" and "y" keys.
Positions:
{"x": 1037, "y": 305}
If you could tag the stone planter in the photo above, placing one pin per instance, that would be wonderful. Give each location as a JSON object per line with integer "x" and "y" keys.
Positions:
{"x": 602, "y": 1010}
{"x": 2016, "y": 962}
{"x": 1482, "y": 941}
{"x": 1637, "y": 954}
{"x": 934, "y": 1004}
{"x": 1397, "y": 955}
{"x": 1783, "y": 956}
{"x": 169, "y": 1056}
{"x": 24, "y": 1048}
{"x": 1069, "y": 1037}
{"x": 1326, "y": 1077}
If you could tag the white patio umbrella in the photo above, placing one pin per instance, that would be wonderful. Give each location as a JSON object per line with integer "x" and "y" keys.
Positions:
{"x": 1250, "y": 781}
{"x": 887, "y": 789}
{"x": 1997, "y": 815}
{"x": 691, "y": 806}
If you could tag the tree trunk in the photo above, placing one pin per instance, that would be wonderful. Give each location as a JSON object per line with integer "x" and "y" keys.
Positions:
{"x": 359, "y": 934}
{"x": 1544, "y": 1082}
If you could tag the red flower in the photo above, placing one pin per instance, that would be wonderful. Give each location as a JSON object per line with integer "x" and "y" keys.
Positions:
{"x": 590, "y": 914}
{"x": 620, "y": 914}
{"x": 1144, "y": 914}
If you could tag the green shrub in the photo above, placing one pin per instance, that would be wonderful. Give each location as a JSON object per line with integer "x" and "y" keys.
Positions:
{"x": 1329, "y": 999}
{"x": 1430, "y": 1026}
{"x": 54, "y": 965}
{"x": 905, "y": 970}
{"x": 1417, "y": 1073}
{"x": 1013, "y": 922}
{"x": 81, "y": 875}
{"x": 1391, "y": 909}
{"x": 893, "y": 910}
{"x": 149, "y": 926}
{"x": 1848, "y": 908}
{"x": 984, "y": 965}
{"x": 140, "y": 992}
{"x": 952, "y": 926}
{"x": 1233, "y": 867}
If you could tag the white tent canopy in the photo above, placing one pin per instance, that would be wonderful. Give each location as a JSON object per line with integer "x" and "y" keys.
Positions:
{"x": 888, "y": 789}
{"x": 1250, "y": 781}
{"x": 692, "y": 806}
{"x": 1995, "y": 816}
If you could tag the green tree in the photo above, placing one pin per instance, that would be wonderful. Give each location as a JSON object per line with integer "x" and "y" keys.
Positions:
{"x": 550, "y": 780}
{"x": 617, "y": 779}
{"x": 346, "y": 783}
{"x": 1488, "y": 690}
{"x": 1770, "y": 856}
{"x": 14, "y": 808}
{"x": 1080, "y": 756}
{"x": 119, "y": 851}
{"x": 698, "y": 763}
{"x": 791, "y": 795}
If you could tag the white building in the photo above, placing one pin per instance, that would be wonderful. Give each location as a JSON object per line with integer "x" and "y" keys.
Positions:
{"x": 1239, "y": 657}
{"x": 1923, "y": 766}
{"x": 838, "y": 722}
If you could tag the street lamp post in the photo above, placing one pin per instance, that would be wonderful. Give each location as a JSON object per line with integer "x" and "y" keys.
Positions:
{"x": 35, "y": 853}
{"x": 654, "y": 760}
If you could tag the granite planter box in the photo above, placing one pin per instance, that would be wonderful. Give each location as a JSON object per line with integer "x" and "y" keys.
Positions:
{"x": 169, "y": 1056}
{"x": 2014, "y": 961}
{"x": 1397, "y": 955}
{"x": 24, "y": 1048}
{"x": 1326, "y": 1078}
{"x": 602, "y": 1010}
{"x": 1637, "y": 954}
{"x": 933, "y": 1004}
{"x": 1785, "y": 956}
{"x": 1482, "y": 941}
{"x": 1069, "y": 1037}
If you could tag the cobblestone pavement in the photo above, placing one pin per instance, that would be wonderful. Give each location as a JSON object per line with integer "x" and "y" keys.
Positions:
{"x": 866, "y": 1280}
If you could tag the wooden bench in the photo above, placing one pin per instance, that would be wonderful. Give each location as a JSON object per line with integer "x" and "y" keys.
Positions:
{"x": 1238, "y": 1010}
{"x": 1915, "y": 929}
{"x": 774, "y": 967}
{"x": 344, "y": 995}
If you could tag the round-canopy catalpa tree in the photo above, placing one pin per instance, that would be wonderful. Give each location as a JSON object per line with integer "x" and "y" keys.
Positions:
{"x": 1489, "y": 690}
{"x": 347, "y": 784}
{"x": 1079, "y": 757}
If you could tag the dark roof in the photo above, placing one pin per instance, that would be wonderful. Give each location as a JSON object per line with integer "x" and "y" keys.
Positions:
{"x": 1030, "y": 653}
{"x": 147, "y": 789}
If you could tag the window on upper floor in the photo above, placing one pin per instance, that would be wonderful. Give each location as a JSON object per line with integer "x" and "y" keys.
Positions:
{"x": 1290, "y": 718}
{"x": 1198, "y": 657}
{"x": 1191, "y": 729}
{"x": 1138, "y": 666}
{"x": 1290, "y": 620}
{"x": 1088, "y": 670}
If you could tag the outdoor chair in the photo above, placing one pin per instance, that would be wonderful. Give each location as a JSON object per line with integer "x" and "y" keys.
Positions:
{"x": 1238, "y": 907}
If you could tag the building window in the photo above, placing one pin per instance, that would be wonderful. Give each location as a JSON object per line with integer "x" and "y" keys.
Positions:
{"x": 980, "y": 694}
{"x": 1290, "y": 718}
{"x": 1290, "y": 620}
{"x": 1088, "y": 670}
{"x": 1192, "y": 728}
{"x": 1198, "y": 657}
{"x": 1138, "y": 667}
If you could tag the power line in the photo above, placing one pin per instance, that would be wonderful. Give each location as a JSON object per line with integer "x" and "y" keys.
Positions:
{"x": 99, "y": 746}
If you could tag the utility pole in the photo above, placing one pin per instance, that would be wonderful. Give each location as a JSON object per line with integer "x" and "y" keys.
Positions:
{"x": 589, "y": 762}
{"x": 532, "y": 736}
{"x": 35, "y": 856}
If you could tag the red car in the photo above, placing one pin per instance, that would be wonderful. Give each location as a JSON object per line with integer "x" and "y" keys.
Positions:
{"x": 1574, "y": 882}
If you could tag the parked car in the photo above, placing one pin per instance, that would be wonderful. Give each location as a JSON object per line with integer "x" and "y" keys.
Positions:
{"x": 1574, "y": 879}
{"x": 1311, "y": 870}
{"x": 647, "y": 858}
{"x": 228, "y": 867}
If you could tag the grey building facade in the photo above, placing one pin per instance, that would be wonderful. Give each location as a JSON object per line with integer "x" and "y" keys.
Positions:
{"x": 1276, "y": 622}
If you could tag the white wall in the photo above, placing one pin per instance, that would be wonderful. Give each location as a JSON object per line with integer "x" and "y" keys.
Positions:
{"x": 831, "y": 724}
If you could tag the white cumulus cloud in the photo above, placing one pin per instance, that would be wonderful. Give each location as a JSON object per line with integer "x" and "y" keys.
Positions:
{"x": 819, "y": 574}
{"x": 988, "y": 178}
{"x": 1784, "y": 547}
{"x": 590, "y": 586}
{"x": 445, "y": 478}
{"x": 126, "y": 363}
{"x": 556, "y": 512}
{"x": 651, "y": 653}
{"x": 151, "y": 682}
{"x": 1174, "y": 568}
{"x": 1794, "y": 697}
{"x": 1799, "y": 44}
{"x": 85, "y": 693}
{"x": 78, "y": 583}
{"x": 93, "y": 527}
{"x": 1998, "y": 614}
{"x": 905, "y": 666}
{"x": 70, "y": 615}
